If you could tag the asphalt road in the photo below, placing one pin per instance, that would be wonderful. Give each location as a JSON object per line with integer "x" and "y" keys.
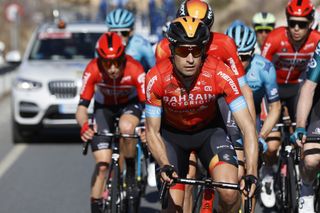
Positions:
{"x": 50, "y": 174}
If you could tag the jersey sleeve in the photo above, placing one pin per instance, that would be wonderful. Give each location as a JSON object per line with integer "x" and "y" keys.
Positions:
{"x": 230, "y": 88}
{"x": 313, "y": 73}
{"x": 162, "y": 50}
{"x": 233, "y": 61}
{"x": 88, "y": 85}
{"x": 269, "y": 47}
{"x": 270, "y": 82}
{"x": 140, "y": 83}
{"x": 153, "y": 94}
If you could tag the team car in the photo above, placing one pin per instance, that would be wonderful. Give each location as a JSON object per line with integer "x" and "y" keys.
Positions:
{"x": 46, "y": 89}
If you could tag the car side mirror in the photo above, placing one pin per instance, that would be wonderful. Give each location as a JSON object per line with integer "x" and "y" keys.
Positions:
{"x": 13, "y": 57}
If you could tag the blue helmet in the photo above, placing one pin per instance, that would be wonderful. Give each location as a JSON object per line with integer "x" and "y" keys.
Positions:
{"x": 120, "y": 18}
{"x": 244, "y": 37}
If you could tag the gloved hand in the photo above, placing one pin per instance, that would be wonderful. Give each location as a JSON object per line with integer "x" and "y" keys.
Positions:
{"x": 263, "y": 146}
{"x": 297, "y": 136}
{"x": 86, "y": 132}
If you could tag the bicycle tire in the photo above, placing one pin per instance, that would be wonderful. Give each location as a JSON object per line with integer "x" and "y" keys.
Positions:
{"x": 115, "y": 191}
{"x": 292, "y": 186}
{"x": 317, "y": 195}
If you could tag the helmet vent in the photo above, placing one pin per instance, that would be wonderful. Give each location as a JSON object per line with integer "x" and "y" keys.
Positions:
{"x": 109, "y": 39}
{"x": 299, "y": 3}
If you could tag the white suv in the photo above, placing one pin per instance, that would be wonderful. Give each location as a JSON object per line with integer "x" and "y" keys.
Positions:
{"x": 46, "y": 89}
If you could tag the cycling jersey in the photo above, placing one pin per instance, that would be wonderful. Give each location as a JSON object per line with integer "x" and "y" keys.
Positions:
{"x": 110, "y": 92}
{"x": 261, "y": 78}
{"x": 220, "y": 45}
{"x": 194, "y": 109}
{"x": 289, "y": 63}
{"x": 141, "y": 50}
{"x": 313, "y": 75}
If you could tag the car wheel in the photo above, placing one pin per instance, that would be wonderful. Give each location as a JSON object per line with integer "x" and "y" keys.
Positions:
{"x": 20, "y": 135}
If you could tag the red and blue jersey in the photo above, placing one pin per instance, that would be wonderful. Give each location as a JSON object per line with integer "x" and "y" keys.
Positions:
{"x": 195, "y": 108}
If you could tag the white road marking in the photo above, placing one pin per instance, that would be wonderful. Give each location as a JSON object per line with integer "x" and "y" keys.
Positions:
{"x": 11, "y": 157}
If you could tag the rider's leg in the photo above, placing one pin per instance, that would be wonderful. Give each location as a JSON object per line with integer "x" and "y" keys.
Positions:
{"x": 127, "y": 125}
{"x": 188, "y": 196}
{"x": 102, "y": 159}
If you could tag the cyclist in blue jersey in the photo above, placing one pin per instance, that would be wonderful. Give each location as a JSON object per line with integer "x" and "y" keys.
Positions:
{"x": 308, "y": 123}
{"x": 122, "y": 22}
{"x": 261, "y": 78}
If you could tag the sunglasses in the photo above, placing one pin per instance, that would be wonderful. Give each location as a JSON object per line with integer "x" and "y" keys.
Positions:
{"x": 116, "y": 62}
{"x": 124, "y": 33}
{"x": 184, "y": 51}
{"x": 246, "y": 57}
{"x": 263, "y": 31}
{"x": 301, "y": 24}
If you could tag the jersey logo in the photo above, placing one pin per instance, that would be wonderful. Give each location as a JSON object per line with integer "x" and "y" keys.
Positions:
{"x": 208, "y": 88}
{"x": 85, "y": 79}
{"x": 230, "y": 81}
{"x": 233, "y": 66}
{"x": 312, "y": 63}
{"x": 149, "y": 86}
{"x": 274, "y": 91}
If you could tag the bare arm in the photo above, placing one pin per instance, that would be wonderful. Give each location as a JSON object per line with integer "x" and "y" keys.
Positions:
{"x": 155, "y": 142}
{"x": 247, "y": 127}
{"x": 305, "y": 102}
{"x": 82, "y": 115}
{"x": 248, "y": 96}
{"x": 82, "y": 118}
{"x": 271, "y": 120}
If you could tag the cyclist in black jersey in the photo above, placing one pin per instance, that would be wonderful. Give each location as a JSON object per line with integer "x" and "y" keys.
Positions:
{"x": 308, "y": 123}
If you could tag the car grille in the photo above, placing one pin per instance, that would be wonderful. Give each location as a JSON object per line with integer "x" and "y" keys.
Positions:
{"x": 63, "y": 89}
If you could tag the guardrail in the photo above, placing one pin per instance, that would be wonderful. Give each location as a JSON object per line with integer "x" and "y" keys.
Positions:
{"x": 6, "y": 76}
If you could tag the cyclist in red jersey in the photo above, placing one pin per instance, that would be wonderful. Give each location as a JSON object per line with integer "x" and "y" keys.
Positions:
{"x": 290, "y": 49}
{"x": 182, "y": 115}
{"x": 220, "y": 46}
{"x": 116, "y": 81}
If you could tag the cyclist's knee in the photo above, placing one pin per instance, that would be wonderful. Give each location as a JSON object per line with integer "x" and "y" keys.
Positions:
{"x": 311, "y": 162}
{"x": 127, "y": 127}
{"x": 228, "y": 196}
{"x": 101, "y": 168}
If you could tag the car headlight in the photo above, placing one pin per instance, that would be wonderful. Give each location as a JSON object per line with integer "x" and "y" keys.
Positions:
{"x": 24, "y": 84}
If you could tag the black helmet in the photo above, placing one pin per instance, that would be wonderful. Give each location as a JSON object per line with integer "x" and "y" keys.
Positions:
{"x": 188, "y": 30}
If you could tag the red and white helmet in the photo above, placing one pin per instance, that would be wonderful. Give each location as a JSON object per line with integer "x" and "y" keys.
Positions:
{"x": 109, "y": 46}
{"x": 300, "y": 8}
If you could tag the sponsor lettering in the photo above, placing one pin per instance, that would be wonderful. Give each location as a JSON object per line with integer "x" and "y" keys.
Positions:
{"x": 182, "y": 13}
{"x": 149, "y": 86}
{"x": 274, "y": 91}
{"x": 188, "y": 99}
{"x": 266, "y": 49}
{"x": 85, "y": 79}
{"x": 233, "y": 66}
{"x": 141, "y": 80}
{"x": 230, "y": 81}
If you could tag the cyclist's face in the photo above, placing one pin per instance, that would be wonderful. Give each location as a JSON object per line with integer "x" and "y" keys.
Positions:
{"x": 124, "y": 34}
{"x": 187, "y": 59}
{"x": 261, "y": 36}
{"x": 113, "y": 68}
{"x": 298, "y": 27}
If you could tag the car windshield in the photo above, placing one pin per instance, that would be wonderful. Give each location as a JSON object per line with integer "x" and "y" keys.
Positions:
{"x": 64, "y": 45}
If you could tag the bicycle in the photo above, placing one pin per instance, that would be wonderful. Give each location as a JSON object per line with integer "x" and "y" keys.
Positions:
{"x": 115, "y": 199}
{"x": 204, "y": 183}
{"x": 287, "y": 177}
